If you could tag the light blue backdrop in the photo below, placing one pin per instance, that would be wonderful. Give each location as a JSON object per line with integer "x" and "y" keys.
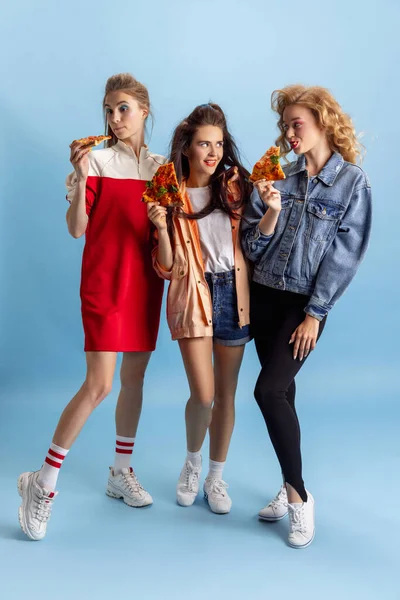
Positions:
{"x": 56, "y": 57}
{"x": 187, "y": 53}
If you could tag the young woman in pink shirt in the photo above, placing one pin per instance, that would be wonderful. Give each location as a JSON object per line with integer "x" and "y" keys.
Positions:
{"x": 199, "y": 252}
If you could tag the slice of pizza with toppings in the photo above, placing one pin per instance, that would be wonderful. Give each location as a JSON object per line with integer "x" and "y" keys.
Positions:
{"x": 164, "y": 187}
{"x": 268, "y": 167}
{"x": 92, "y": 140}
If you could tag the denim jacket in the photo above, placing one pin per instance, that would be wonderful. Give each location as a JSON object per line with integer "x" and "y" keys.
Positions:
{"x": 321, "y": 235}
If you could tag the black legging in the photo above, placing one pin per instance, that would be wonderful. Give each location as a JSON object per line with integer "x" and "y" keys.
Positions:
{"x": 274, "y": 315}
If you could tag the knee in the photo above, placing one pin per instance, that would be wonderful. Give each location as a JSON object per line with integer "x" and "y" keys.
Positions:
{"x": 133, "y": 378}
{"x": 224, "y": 402}
{"x": 96, "y": 392}
{"x": 202, "y": 400}
{"x": 267, "y": 395}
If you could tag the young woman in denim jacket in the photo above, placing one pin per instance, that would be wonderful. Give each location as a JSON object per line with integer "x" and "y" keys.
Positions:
{"x": 306, "y": 236}
{"x": 208, "y": 295}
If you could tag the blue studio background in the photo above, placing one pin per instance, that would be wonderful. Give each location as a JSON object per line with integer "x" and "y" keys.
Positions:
{"x": 56, "y": 58}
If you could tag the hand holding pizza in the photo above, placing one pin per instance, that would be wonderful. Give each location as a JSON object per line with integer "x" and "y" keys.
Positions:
{"x": 269, "y": 195}
{"x": 157, "y": 215}
{"x": 79, "y": 159}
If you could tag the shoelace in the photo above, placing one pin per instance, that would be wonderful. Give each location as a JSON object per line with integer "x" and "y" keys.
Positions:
{"x": 43, "y": 508}
{"x": 296, "y": 519}
{"x": 280, "y": 498}
{"x": 132, "y": 483}
{"x": 218, "y": 487}
{"x": 191, "y": 476}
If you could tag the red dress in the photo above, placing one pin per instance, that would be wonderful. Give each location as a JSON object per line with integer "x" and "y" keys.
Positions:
{"x": 121, "y": 293}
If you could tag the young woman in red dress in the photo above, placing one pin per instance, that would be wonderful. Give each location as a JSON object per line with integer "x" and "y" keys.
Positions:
{"x": 120, "y": 292}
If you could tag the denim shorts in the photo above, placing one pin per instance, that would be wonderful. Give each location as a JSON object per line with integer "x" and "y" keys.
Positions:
{"x": 225, "y": 314}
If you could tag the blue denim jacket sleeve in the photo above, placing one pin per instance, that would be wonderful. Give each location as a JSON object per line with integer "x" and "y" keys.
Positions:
{"x": 254, "y": 242}
{"x": 344, "y": 256}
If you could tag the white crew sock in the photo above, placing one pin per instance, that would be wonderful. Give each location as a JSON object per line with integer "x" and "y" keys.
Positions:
{"x": 50, "y": 470}
{"x": 216, "y": 469}
{"x": 194, "y": 457}
{"x": 123, "y": 453}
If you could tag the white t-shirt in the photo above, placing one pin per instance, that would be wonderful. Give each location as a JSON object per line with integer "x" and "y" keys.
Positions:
{"x": 215, "y": 233}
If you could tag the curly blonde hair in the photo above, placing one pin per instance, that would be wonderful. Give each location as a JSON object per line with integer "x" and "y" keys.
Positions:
{"x": 125, "y": 82}
{"x": 328, "y": 113}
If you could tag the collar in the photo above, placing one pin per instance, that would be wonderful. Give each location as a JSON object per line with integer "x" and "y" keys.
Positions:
{"x": 328, "y": 173}
{"x": 122, "y": 147}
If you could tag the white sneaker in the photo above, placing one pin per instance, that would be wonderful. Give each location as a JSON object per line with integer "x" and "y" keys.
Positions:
{"x": 277, "y": 509}
{"x": 36, "y": 506}
{"x": 301, "y": 523}
{"x": 216, "y": 495}
{"x": 188, "y": 484}
{"x": 126, "y": 485}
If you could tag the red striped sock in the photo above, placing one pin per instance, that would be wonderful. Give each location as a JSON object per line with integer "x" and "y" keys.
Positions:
{"x": 51, "y": 467}
{"x": 123, "y": 452}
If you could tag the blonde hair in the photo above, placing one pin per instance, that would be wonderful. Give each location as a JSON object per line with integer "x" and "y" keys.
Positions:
{"x": 338, "y": 126}
{"x": 125, "y": 82}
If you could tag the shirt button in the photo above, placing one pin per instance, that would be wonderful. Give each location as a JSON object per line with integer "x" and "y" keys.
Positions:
{"x": 182, "y": 273}
{"x": 238, "y": 268}
{"x": 188, "y": 241}
{"x": 315, "y": 181}
{"x": 209, "y": 320}
{"x": 280, "y": 283}
{"x": 199, "y": 281}
{"x": 233, "y": 227}
{"x": 324, "y": 211}
{"x": 241, "y": 310}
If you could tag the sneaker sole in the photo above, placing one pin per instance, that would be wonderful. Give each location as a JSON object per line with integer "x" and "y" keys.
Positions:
{"x": 128, "y": 502}
{"x": 216, "y": 512}
{"x": 304, "y": 545}
{"x": 272, "y": 519}
{"x": 21, "y": 514}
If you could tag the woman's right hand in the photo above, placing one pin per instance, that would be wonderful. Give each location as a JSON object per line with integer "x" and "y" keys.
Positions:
{"x": 269, "y": 195}
{"x": 157, "y": 215}
{"x": 80, "y": 160}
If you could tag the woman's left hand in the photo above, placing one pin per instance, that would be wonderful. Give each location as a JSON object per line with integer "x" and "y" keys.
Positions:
{"x": 305, "y": 337}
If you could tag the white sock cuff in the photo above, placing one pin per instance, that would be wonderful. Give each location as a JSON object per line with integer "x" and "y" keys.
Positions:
{"x": 215, "y": 463}
{"x": 128, "y": 440}
{"x": 58, "y": 449}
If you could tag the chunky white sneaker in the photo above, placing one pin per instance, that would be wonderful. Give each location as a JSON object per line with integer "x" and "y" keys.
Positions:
{"x": 188, "y": 484}
{"x": 301, "y": 523}
{"x": 36, "y": 506}
{"x": 126, "y": 485}
{"x": 216, "y": 495}
{"x": 277, "y": 509}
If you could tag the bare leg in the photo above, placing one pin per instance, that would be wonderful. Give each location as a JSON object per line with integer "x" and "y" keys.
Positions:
{"x": 227, "y": 362}
{"x": 97, "y": 385}
{"x": 197, "y": 359}
{"x": 129, "y": 405}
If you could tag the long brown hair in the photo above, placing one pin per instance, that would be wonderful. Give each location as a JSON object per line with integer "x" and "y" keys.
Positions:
{"x": 125, "y": 82}
{"x": 211, "y": 114}
{"x": 338, "y": 126}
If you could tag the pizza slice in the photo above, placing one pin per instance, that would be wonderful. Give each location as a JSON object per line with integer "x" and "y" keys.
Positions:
{"x": 268, "y": 167}
{"x": 164, "y": 187}
{"x": 93, "y": 140}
